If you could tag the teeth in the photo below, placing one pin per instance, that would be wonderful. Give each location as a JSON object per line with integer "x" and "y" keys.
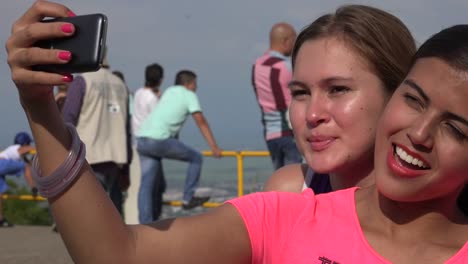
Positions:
{"x": 408, "y": 158}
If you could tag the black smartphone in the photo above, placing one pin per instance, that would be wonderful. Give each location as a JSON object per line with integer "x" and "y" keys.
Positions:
{"x": 87, "y": 44}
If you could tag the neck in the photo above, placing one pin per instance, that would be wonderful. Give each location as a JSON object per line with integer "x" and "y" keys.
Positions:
{"x": 188, "y": 88}
{"x": 431, "y": 219}
{"x": 437, "y": 223}
{"x": 277, "y": 50}
{"x": 443, "y": 208}
{"x": 360, "y": 176}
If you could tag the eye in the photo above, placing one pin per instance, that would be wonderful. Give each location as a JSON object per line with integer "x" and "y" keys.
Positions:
{"x": 455, "y": 131}
{"x": 338, "y": 89}
{"x": 413, "y": 101}
{"x": 299, "y": 94}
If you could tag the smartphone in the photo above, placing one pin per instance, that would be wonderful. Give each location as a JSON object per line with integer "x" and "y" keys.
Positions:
{"x": 87, "y": 44}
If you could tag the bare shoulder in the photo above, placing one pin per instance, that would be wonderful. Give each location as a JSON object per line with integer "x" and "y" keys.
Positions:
{"x": 289, "y": 178}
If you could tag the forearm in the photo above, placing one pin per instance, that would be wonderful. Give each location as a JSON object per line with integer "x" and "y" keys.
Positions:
{"x": 208, "y": 135}
{"x": 89, "y": 224}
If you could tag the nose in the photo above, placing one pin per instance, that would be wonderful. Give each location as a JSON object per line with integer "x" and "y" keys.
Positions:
{"x": 317, "y": 112}
{"x": 421, "y": 132}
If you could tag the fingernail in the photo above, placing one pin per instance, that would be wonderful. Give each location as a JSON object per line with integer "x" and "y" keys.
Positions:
{"x": 71, "y": 14}
{"x": 67, "y": 78}
{"x": 67, "y": 28}
{"x": 64, "y": 55}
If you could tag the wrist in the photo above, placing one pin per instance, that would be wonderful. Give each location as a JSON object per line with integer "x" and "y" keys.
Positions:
{"x": 45, "y": 92}
{"x": 65, "y": 174}
{"x": 37, "y": 100}
{"x": 215, "y": 148}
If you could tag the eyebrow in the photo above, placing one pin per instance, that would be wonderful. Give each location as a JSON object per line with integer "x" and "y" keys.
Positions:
{"x": 448, "y": 115}
{"x": 297, "y": 83}
{"x": 327, "y": 80}
{"x": 418, "y": 89}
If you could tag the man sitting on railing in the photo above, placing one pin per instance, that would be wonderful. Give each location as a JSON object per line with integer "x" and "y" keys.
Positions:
{"x": 13, "y": 161}
{"x": 157, "y": 139}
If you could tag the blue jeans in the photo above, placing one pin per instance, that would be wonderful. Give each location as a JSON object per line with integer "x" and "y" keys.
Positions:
{"x": 151, "y": 152}
{"x": 152, "y": 176}
{"x": 283, "y": 151}
{"x": 9, "y": 167}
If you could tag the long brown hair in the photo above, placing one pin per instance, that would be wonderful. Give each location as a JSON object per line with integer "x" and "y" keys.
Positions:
{"x": 379, "y": 37}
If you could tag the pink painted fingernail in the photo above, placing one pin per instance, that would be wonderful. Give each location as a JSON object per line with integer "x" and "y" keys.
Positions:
{"x": 67, "y": 78}
{"x": 64, "y": 55}
{"x": 71, "y": 14}
{"x": 67, "y": 28}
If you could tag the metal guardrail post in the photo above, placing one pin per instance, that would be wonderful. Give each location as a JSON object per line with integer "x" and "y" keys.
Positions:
{"x": 240, "y": 174}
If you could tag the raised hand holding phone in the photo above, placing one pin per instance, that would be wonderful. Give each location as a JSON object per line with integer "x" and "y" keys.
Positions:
{"x": 85, "y": 48}
{"x": 22, "y": 55}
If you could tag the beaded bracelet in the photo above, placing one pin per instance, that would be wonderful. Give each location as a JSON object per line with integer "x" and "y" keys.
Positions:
{"x": 64, "y": 175}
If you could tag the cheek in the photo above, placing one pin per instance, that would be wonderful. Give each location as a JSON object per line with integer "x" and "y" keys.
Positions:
{"x": 297, "y": 111}
{"x": 390, "y": 123}
{"x": 297, "y": 117}
{"x": 394, "y": 119}
{"x": 358, "y": 117}
{"x": 453, "y": 159}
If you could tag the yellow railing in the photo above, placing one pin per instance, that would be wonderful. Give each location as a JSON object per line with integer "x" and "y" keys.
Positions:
{"x": 239, "y": 155}
{"x": 240, "y": 163}
{"x": 24, "y": 197}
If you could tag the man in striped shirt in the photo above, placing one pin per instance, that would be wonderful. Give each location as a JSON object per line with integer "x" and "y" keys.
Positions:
{"x": 271, "y": 74}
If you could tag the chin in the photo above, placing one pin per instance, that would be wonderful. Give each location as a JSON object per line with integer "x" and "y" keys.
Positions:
{"x": 322, "y": 165}
{"x": 403, "y": 193}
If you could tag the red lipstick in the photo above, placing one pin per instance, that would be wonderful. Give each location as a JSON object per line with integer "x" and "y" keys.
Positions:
{"x": 398, "y": 168}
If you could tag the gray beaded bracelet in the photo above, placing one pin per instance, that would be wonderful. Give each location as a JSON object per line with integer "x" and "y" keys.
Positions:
{"x": 64, "y": 175}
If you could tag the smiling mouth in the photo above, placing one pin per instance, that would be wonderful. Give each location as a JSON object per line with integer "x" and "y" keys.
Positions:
{"x": 407, "y": 160}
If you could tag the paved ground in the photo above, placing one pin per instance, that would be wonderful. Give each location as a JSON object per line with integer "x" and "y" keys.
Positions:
{"x": 32, "y": 245}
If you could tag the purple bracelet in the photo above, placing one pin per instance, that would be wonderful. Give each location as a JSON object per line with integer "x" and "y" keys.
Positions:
{"x": 64, "y": 175}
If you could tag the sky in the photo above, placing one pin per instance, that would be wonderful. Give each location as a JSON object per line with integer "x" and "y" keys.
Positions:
{"x": 217, "y": 39}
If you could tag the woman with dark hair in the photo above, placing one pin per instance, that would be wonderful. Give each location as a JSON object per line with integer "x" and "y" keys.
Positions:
{"x": 410, "y": 215}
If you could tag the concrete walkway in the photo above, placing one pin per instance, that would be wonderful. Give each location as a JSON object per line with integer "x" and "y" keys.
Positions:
{"x": 37, "y": 244}
{"x": 32, "y": 245}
